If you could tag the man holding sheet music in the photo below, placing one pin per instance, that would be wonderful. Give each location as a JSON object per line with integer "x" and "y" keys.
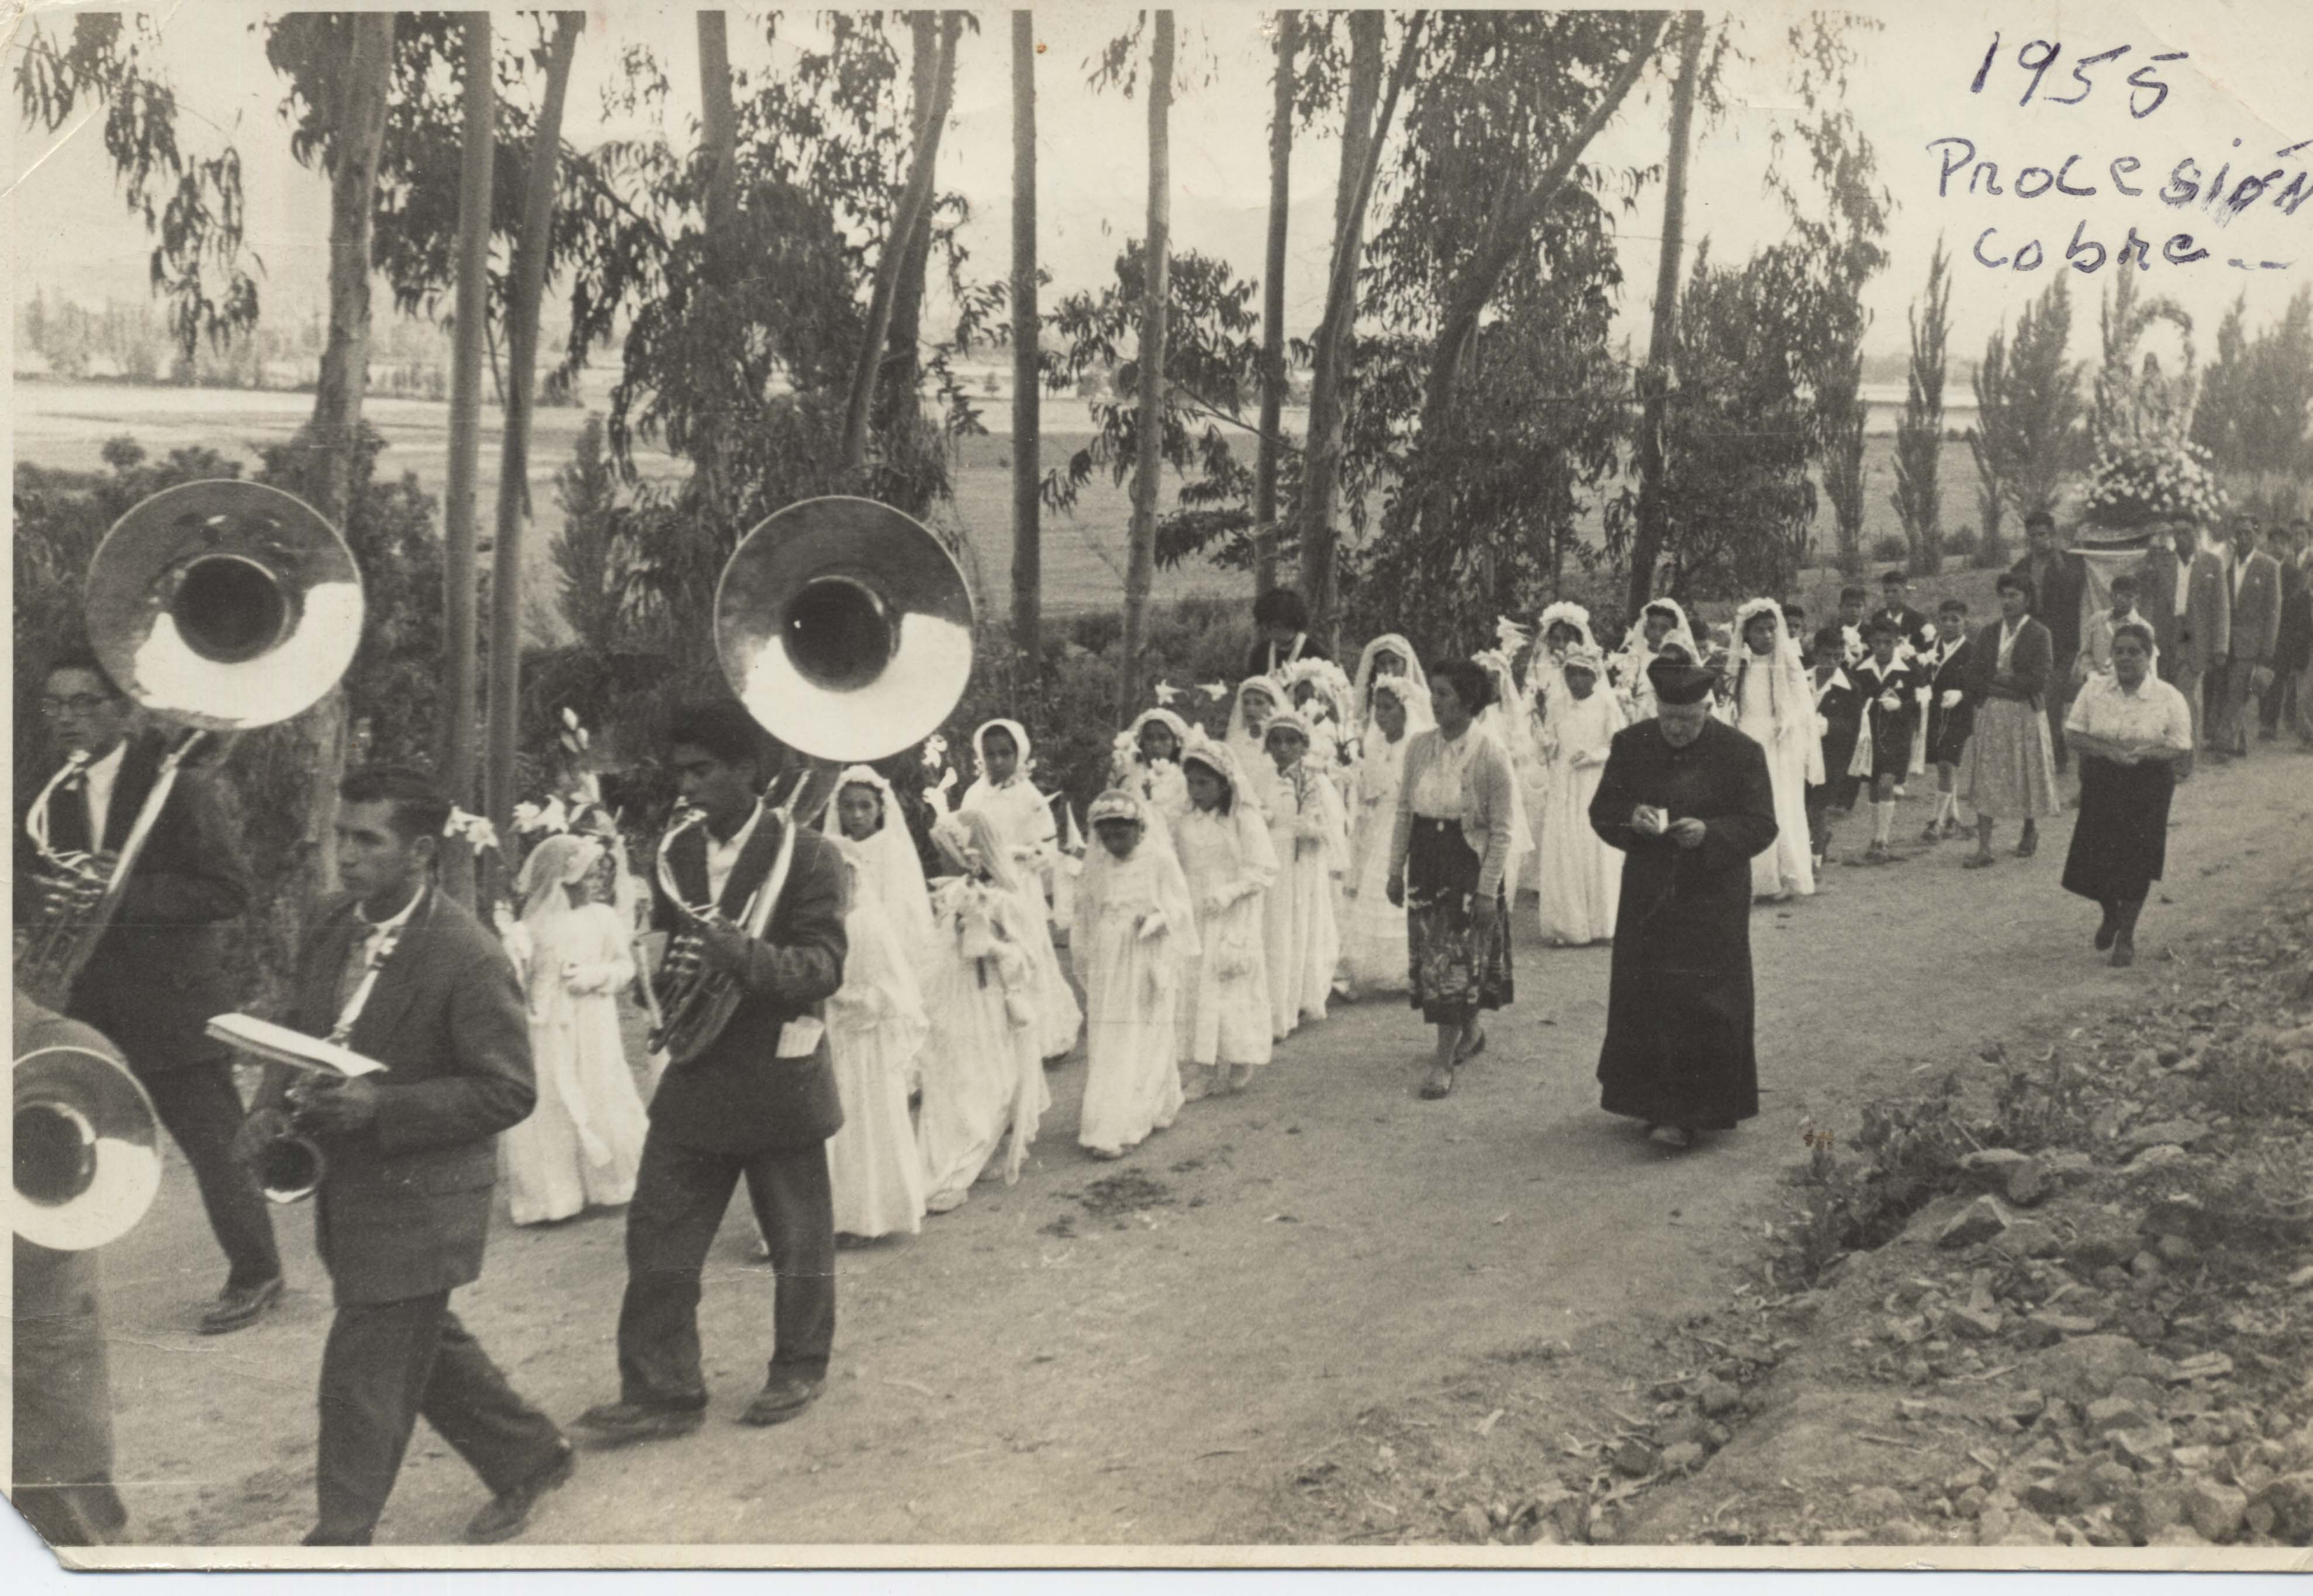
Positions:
{"x": 406, "y": 976}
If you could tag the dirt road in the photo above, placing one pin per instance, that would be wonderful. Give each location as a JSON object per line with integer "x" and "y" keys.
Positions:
{"x": 1135, "y": 1352}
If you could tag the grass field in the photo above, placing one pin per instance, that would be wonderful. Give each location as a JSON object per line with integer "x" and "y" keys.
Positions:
{"x": 64, "y": 426}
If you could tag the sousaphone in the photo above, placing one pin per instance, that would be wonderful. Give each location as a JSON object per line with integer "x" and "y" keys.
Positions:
{"x": 845, "y": 628}
{"x": 216, "y": 606}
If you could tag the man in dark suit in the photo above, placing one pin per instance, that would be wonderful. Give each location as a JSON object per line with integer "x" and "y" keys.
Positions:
{"x": 406, "y": 976}
{"x": 758, "y": 1104}
{"x": 157, "y": 974}
{"x": 2159, "y": 582}
{"x": 2294, "y": 645}
{"x": 2255, "y": 635}
{"x": 2059, "y": 578}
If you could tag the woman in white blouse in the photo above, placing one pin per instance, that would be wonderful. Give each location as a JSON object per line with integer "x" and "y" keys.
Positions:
{"x": 1455, "y": 812}
{"x": 2129, "y": 729}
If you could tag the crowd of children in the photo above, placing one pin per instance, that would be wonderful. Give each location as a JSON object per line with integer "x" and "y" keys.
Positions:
{"x": 1224, "y": 890}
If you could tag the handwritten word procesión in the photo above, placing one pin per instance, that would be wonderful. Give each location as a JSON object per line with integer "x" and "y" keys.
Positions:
{"x": 2183, "y": 189}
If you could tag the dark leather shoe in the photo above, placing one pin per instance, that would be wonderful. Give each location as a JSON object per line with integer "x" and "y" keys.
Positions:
{"x": 781, "y": 1400}
{"x": 239, "y": 1307}
{"x": 617, "y": 1423}
{"x": 505, "y": 1514}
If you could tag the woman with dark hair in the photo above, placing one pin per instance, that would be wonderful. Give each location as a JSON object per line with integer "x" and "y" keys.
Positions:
{"x": 2129, "y": 729}
{"x": 1447, "y": 863}
{"x": 2012, "y": 763}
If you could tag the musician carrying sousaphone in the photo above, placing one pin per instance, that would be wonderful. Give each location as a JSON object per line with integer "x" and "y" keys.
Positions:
{"x": 845, "y": 631}
{"x": 151, "y": 978}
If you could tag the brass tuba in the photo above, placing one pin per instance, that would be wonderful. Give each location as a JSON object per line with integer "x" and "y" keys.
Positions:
{"x": 845, "y": 628}
{"x": 87, "y": 1149}
{"x": 216, "y": 606}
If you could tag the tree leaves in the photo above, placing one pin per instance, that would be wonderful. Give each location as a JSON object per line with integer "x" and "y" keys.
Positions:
{"x": 201, "y": 264}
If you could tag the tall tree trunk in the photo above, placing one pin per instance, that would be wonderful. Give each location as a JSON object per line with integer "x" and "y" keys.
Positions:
{"x": 531, "y": 250}
{"x": 718, "y": 126}
{"x": 317, "y": 739}
{"x": 1140, "y": 560}
{"x": 1654, "y": 381}
{"x": 1363, "y": 136}
{"x": 1273, "y": 304}
{"x": 458, "y": 575}
{"x": 718, "y": 134}
{"x": 903, "y": 364}
{"x": 1027, "y": 394}
{"x": 335, "y": 429}
{"x": 914, "y": 211}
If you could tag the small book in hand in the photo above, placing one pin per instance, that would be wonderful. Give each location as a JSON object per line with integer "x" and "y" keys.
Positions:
{"x": 280, "y": 1045}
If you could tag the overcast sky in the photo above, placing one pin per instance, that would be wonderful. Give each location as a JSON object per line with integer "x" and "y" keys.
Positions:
{"x": 2248, "y": 63}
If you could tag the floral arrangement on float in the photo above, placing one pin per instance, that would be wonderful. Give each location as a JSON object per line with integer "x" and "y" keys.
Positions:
{"x": 2135, "y": 482}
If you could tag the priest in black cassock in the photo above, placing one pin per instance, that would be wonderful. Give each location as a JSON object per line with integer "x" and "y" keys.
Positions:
{"x": 1686, "y": 798}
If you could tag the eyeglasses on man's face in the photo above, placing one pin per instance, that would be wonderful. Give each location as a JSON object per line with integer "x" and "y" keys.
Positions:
{"x": 76, "y": 704}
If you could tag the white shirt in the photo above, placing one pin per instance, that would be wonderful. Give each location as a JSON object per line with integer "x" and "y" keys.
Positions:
{"x": 723, "y": 856}
{"x": 2152, "y": 712}
{"x": 97, "y": 782}
{"x": 2183, "y": 586}
{"x": 354, "y": 981}
{"x": 1442, "y": 792}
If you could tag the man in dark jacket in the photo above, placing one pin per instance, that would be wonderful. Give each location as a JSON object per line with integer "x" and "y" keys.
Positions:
{"x": 157, "y": 974}
{"x": 2293, "y": 648}
{"x": 405, "y": 976}
{"x": 758, "y": 1104}
{"x": 2059, "y": 579}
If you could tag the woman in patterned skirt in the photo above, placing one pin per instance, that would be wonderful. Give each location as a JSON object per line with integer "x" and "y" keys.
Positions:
{"x": 1447, "y": 863}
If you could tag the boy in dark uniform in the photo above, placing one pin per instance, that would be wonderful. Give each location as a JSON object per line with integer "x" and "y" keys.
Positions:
{"x": 1889, "y": 689}
{"x": 1839, "y": 708}
{"x": 1950, "y": 716}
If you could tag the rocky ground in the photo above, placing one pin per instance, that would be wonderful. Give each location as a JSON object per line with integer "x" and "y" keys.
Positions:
{"x": 2059, "y": 1295}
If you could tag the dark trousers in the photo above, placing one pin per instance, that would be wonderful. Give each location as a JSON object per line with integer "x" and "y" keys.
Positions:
{"x": 2278, "y": 702}
{"x": 202, "y": 1112}
{"x": 681, "y": 1195}
{"x": 62, "y": 1445}
{"x": 1818, "y": 816}
{"x": 384, "y": 1364}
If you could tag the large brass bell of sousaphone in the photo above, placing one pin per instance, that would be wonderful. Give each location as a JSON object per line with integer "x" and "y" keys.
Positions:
{"x": 845, "y": 628}
{"x": 87, "y": 1150}
{"x": 223, "y": 605}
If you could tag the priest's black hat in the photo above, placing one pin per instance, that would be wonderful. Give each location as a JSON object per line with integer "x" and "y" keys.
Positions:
{"x": 1676, "y": 683}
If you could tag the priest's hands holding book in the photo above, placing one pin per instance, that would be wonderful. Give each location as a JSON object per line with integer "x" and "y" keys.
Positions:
{"x": 1648, "y": 820}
